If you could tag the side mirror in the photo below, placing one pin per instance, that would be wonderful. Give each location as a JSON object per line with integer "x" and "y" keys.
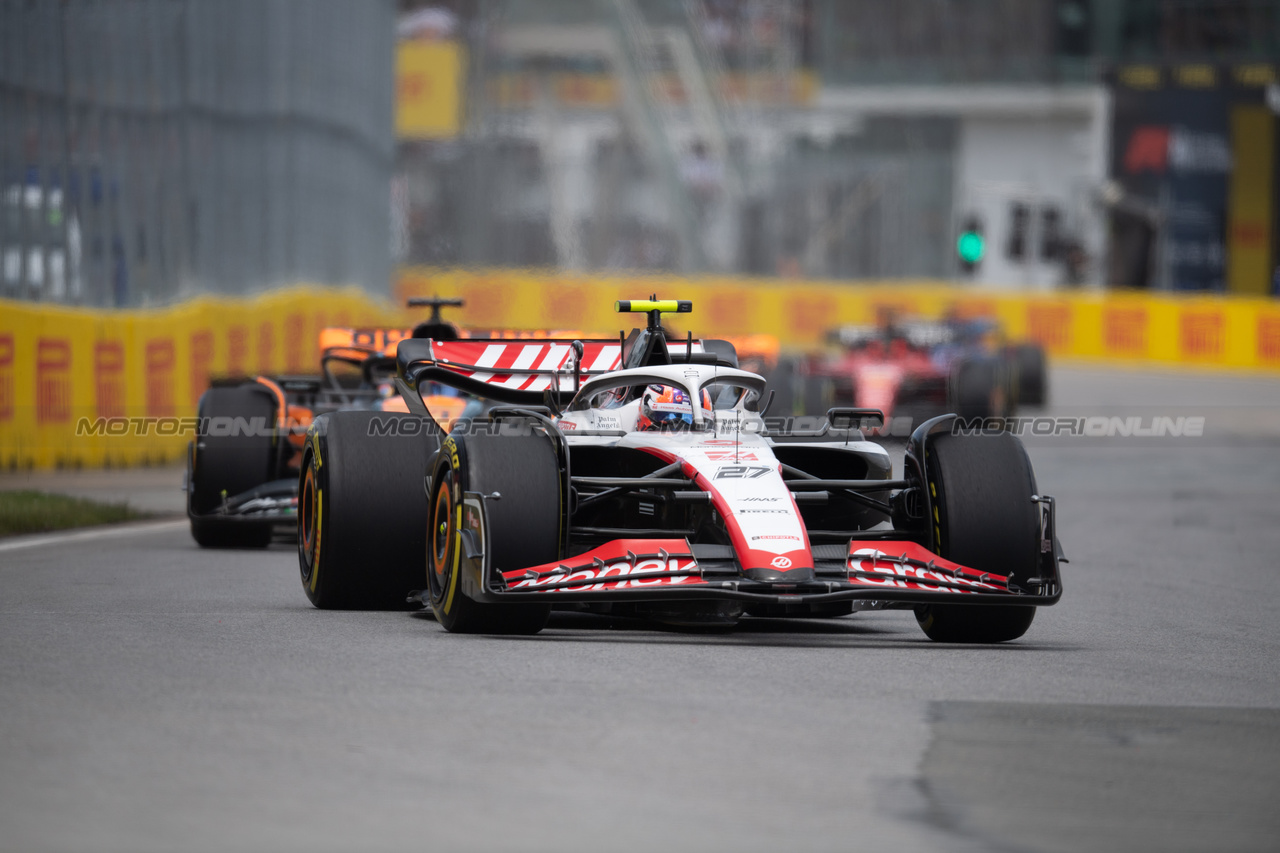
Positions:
{"x": 549, "y": 400}
{"x": 843, "y": 417}
{"x": 578, "y": 350}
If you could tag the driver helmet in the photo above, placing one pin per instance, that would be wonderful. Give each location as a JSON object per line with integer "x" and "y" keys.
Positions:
{"x": 668, "y": 407}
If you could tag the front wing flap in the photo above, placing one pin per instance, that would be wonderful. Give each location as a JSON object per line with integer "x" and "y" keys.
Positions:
{"x": 275, "y": 501}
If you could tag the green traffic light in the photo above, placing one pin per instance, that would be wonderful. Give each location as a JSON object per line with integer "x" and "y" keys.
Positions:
{"x": 971, "y": 247}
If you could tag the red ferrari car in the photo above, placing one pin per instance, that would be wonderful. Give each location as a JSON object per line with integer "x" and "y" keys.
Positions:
{"x": 921, "y": 369}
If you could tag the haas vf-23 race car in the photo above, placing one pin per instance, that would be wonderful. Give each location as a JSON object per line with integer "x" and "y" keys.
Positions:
{"x": 638, "y": 476}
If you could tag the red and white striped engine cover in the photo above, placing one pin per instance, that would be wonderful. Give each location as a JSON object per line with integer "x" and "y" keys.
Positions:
{"x": 486, "y": 359}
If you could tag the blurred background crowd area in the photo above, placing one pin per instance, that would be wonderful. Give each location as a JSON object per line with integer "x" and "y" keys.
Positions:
{"x": 155, "y": 149}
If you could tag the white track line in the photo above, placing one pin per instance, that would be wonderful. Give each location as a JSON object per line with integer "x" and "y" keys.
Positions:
{"x": 103, "y": 532}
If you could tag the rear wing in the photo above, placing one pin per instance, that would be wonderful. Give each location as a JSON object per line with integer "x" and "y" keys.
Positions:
{"x": 529, "y": 371}
{"x": 516, "y": 371}
{"x": 509, "y": 371}
{"x": 355, "y": 344}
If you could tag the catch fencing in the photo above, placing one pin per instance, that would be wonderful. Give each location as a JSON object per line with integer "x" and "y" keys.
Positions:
{"x": 151, "y": 150}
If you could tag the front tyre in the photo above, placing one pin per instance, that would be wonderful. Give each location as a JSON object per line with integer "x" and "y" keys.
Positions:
{"x": 986, "y": 520}
{"x": 1028, "y": 362}
{"x": 240, "y": 456}
{"x": 522, "y": 521}
{"x": 361, "y": 505}
{"x": 976, "y": 389}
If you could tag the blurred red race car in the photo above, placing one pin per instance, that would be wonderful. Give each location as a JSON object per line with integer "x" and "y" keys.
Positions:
{"x": 921, "y": 369}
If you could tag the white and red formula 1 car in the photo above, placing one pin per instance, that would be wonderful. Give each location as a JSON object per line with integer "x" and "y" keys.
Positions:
{"x": 640, "y": 476}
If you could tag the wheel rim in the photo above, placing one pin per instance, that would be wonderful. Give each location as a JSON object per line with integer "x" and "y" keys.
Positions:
{"x": 441, "y": 536}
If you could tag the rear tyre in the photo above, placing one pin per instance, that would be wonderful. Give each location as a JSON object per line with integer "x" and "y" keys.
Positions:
{"x": 987, "y": 521}
{"x": 976, "y": 389}
{"x": 231, "y": 464}
{"x": 523, "y": 527}
{"x": 782, "y": 381}
{"x": 1032, "y": 375}
{"x": 818, "y": 395}
{"x": 361, "y": 505}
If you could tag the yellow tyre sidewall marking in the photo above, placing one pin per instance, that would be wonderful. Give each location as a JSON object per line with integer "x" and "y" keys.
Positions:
{"x": 315, "y": 455}
{"x": 315, "y": 446}
{"x": 315, "y": 566}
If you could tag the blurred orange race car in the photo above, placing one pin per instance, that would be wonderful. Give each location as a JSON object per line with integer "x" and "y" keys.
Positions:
{"x": 242, "y": 470}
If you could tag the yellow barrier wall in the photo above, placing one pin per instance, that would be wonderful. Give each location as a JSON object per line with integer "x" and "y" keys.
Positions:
{"x": 1117, "y": 327}
{"x": 60, "y": 365}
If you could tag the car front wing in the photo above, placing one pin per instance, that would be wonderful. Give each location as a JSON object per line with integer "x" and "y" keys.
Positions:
{"x": 889, "y": 571}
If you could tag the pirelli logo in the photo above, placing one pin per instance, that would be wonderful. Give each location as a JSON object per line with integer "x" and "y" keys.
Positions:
{"x": 159, "y": 362}
{"x": 237, "y": 350}
{"x": 201, "y": 362}
{"x": 1200, "y": 335}
{"x": 1124, "y": 331}
{"x": 6, "y": 377}
{"x": 53, "y": 380}
{"x": 108, "y": 378}
{"x": 573, "y": 303}
{"x": 266, "y": 347}
{"x": 1269, "y": 340}
{"x": 295, "y": 344}
{"x": 1050, "y": 324}
{"x": 729, "y": 306}
{"x": 810, "y": 315}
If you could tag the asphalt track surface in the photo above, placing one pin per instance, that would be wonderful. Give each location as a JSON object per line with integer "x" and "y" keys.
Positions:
{"x": 156, "y": 697}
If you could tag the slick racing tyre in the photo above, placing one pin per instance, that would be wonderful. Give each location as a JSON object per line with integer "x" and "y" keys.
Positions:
{"x": 229, "y": 462}
{"x": 520, "y": 475}
{"x": 976, "y": 389}
{"x": 1031, "y": 375}
{"x": 819, "y": 393}
{"x": 361, "y": 505}
{"x": 783, "y": 381}
{"x": 987, "y": 521}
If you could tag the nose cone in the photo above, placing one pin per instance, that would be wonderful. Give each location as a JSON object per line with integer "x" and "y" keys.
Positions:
{"x": 795, "y": 574}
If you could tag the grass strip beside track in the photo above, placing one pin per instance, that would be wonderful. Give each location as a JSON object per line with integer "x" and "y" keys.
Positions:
{"x": 30, "y": 511}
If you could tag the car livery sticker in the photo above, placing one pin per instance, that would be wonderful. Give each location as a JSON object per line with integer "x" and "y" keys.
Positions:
{"x": 490, "y": 361}
{"x": 620, "y": 564}
{"x": 909, "y": 565}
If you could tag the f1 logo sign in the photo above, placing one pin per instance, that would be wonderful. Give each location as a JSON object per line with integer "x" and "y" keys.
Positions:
{"x": 780, "y": 563}
{"x": 741, "y": 472}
